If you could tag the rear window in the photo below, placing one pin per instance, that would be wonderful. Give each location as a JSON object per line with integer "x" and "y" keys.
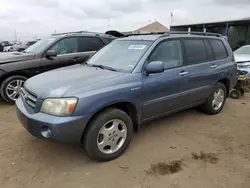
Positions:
{"x": 210, "y": 55}
{"x": 195, "y": 51}
{"x": 219, "y": 49}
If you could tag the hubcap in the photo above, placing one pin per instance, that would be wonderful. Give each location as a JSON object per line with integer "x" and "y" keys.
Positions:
{"x": 218, "y": 99}
{"x": 13, "y": 89}
{"x": 112, "y": 136}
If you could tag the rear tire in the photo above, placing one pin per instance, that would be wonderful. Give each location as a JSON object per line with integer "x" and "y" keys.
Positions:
{"x": 99, "y": 139}
{"x": 235, "y": 94}
{"x": 9, "y": 83}
{"x": 215, "y": 102}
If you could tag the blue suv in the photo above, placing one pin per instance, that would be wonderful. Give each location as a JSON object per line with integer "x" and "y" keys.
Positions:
{"x": 132, "y": 80}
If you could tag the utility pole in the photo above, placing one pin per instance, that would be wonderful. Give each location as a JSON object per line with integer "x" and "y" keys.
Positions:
{"x": 171, "y": 19}
{"x": 15, "y": 35}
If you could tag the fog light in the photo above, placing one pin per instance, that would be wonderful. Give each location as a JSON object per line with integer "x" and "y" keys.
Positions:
{"x": 45, "y": 131}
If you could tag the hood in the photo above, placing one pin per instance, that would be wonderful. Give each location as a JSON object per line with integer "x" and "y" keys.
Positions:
{"x": 242, "y": 58}
{"x": 15, "y": 56}
{"x": 59, "y": 82}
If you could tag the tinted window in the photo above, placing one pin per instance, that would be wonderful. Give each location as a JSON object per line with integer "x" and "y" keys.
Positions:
{"x": 210, "y": 55}
{"x": 108, "y": 40}
{"x": 65, "y": 46}
{"x": 87, "y": 44}
{"x": 195, "y": 51}
{"x": 169, "y": 52}
{"x": 219, "y": 49}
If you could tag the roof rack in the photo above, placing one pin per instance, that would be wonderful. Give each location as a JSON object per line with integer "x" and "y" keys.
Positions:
{"x": 149, "y": 33}
{"x": 192, "y": 33}
{"x": 82, "y": 32}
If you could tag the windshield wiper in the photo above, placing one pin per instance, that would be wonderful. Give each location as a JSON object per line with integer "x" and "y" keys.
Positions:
{"x": 103, "y": 67}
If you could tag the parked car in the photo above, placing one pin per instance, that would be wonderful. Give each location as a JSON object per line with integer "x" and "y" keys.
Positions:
{"x": 21, "y": 47}
{"x": 11, "y": 46}
{"x": 5, "y": 43}
{"x": 242, "y": 57}
{"x": 47, "y": 54}
{"x": 1, "y": 48}
{"x": 130, "y": 81}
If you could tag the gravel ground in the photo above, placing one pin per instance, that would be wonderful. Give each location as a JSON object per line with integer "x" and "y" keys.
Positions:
{"x": 188, "y": 149}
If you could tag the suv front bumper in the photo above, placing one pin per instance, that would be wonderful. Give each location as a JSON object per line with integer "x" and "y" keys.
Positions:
{"x": 63, "y": 129}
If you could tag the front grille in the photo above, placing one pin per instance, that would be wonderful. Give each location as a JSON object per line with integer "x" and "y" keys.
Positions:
{"x": 29, "y": 97}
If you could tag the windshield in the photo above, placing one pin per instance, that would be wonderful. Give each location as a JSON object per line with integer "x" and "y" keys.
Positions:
{"x": 120, "y": 55}
{"x": 40, "y": 45}
{"x": 243, "y": 50}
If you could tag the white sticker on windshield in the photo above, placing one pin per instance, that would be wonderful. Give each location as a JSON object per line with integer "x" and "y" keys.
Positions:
{"x": 136, "y": 47}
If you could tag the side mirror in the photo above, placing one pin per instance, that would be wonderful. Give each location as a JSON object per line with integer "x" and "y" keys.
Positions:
{"x": 50, "y": 53}
{"x": 155, "y": 67}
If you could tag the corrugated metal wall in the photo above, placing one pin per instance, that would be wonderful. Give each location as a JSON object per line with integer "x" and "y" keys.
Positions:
{"x": 237, "y": 35}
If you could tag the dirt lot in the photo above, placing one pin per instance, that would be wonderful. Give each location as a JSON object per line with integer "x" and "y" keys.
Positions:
{"x": 185, "y": 150}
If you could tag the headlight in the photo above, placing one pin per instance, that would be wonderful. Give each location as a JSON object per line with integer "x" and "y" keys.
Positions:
{"x": 59, "y": 106}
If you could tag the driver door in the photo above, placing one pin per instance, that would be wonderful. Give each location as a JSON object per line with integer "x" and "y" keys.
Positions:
{"x": 67, "y": 54}
{"x": 165, "y": 92}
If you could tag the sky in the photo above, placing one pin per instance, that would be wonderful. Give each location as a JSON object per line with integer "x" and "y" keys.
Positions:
{"x": 41, "y": 18}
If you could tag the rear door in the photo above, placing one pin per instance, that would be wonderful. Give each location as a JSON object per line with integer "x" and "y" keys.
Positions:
{"x": 202, "y": 68}
{"x": 67, "y": 54}
{"x": 164, "y": 92}
{"x": 87, "y": 46}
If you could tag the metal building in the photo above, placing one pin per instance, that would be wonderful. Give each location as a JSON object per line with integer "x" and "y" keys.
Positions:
{"x": 237, "y": 31}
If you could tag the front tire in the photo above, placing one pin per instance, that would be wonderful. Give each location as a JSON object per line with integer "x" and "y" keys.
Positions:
{"x": 11, "y": 87}
{"x": 215, "y": 102}
{"x": 108, "y": 135}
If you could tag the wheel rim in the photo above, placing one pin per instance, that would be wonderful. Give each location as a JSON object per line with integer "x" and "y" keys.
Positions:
{"x": 13, "y": 89}
{"x": 112, "y": 136}
{"x": 218, "y": 99}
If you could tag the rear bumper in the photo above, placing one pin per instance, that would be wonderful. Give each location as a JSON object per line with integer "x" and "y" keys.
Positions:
{"x": 63, "y": 129}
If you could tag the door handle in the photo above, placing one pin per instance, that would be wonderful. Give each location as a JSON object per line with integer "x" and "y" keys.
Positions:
{"x": 213, "y": 66}
{"x": 183, "y": 73}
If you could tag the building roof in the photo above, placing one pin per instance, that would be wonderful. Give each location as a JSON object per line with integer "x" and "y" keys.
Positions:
{"x": 243, "y": 20}
{"x": 153, "y": 27}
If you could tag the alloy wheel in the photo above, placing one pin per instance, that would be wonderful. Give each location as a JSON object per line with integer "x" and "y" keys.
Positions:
{"x": 218, "y": 99}
{"x": 13, "y": 89}
{"x": 112, "y": 136}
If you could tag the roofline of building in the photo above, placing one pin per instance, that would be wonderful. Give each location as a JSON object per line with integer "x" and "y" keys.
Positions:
{"x": 216, "y": 22}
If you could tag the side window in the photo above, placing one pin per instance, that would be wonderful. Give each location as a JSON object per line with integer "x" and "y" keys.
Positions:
{"x": 65, "y": 46}
{"x": 108, "y": 40}
{"x": 169, "y": 52}
{"x": 210, "y": 55}
{"x": 87, "y": 44}
{"x": 195, "y": 51}
{"x": 219, "y": 49}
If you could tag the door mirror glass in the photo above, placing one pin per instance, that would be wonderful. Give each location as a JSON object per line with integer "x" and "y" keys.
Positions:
{"x": 155, "y": 67}
{"x": 50, "y": 53}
